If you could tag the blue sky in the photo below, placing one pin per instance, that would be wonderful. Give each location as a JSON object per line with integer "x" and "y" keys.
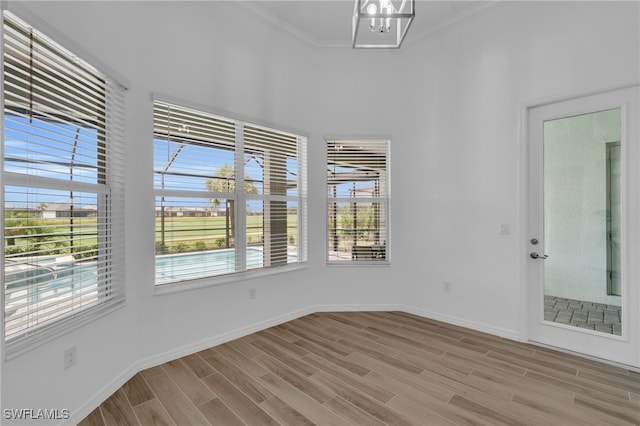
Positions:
{"x": 47, "y": 149}
{"x": 200, "y": 163}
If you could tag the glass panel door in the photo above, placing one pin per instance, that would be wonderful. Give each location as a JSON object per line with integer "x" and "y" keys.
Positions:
{"x": 583, "y": 243}
{"x": 580, "y": 220}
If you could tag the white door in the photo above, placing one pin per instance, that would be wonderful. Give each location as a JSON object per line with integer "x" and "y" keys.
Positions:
{"x": 584, "y": 233}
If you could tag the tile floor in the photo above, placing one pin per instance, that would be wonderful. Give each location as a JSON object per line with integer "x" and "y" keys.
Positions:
{"x": 594, "y": 316}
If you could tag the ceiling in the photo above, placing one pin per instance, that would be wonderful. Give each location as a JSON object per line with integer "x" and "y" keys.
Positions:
{"x": 327, "y": 23}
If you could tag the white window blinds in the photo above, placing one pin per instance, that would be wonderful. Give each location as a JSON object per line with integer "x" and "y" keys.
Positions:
{"x": 229, "y": 195}
{"x": 358, "y": 193}
{"x": 272, "y": 168}
{"x": 62, "y": 187}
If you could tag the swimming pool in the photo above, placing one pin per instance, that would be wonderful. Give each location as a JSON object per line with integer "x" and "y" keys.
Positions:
{"x": 60, "y": 283}
{"x": 187, "y": 266}
{"x": 31, "y": 282}
{"x": 27, "y": 281}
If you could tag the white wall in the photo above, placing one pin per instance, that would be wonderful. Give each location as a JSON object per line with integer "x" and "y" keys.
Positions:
{"x": 470, "y": 86}
{"x": 456, "y": 165}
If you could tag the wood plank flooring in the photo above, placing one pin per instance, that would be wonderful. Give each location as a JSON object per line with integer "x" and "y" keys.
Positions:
{"x": 375, "y": 368}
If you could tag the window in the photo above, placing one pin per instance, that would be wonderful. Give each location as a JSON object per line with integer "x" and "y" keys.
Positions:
{"x": 358, "y": 200}
{"x": 62, "y": 188}
{"x": 230, "y": 195}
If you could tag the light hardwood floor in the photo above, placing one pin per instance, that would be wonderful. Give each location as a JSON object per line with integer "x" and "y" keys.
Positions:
{"x": 374, "y": 368}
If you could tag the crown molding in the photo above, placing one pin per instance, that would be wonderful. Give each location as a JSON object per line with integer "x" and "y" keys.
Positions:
{"x": 459, "y": 17}
{"x": 282, "y": 26}
{"x": 273, "y": 22}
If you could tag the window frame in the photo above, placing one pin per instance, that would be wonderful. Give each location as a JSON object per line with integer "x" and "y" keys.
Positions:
{"x": 241, "y": 198}
{"x": 109, "y": 187}
{"x": 383, "y": 201}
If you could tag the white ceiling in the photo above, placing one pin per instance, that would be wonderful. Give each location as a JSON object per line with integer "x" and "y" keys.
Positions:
{"x": 327, "y": 23}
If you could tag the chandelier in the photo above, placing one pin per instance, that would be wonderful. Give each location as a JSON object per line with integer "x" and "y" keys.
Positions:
{"x": 380, "y": 24}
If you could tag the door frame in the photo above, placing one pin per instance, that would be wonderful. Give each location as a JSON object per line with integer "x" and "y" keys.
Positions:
{"x": 631, "y": 224}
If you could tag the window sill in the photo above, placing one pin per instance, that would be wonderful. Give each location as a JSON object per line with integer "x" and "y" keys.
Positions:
{"x": 195, "y": 284}
{"x": 358, "y": 263}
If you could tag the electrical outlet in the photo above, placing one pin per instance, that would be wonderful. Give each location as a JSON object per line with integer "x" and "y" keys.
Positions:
{"x": 70, "y": 357}
{"x": 446, "y": 286}
{"x": 252, "y": 293}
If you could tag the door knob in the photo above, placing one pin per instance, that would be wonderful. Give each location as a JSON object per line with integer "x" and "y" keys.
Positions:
{"x": 535, "y": 255}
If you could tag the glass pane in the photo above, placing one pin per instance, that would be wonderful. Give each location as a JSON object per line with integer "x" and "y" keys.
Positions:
{"x": 270, "y": 159}
{"x": 41, "y": 145}
{"x": 194, "y": 238}
{"x": 192, "y": 167}
{"x": 357, "y": 231}
{"x": 582, "y": 221}
{"x": 272, "y": 233}
{"x": 50, "y": 253}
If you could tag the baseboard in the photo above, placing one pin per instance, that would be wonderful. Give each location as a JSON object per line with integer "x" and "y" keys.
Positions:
{"x": 152, "y": 361}
{"x": 356, "y": 308}
{"x": 473, "y": 325}
{"x": 116, "y": 383}
{"x": 220, "y": 339}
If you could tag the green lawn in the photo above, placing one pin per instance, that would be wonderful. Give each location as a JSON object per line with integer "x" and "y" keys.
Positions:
{"x": 199, "y": 233}
{"x": 25, "y": 235}
{"x": 180, "y": 233}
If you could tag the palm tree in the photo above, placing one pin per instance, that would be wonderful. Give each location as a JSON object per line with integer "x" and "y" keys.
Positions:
{"x": 224, "y": 181}
{"x": 42, "y": 207}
